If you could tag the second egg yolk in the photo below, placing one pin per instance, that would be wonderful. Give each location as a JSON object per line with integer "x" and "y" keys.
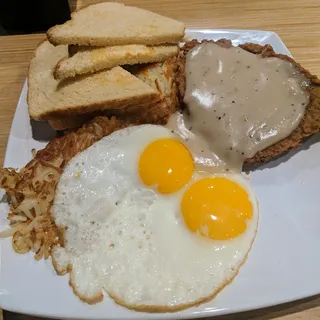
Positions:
{"x": 166, "y": 164}
{"x": 216, "y": 208}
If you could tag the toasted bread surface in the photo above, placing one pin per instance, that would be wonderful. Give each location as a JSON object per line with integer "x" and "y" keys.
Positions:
{"x": 161, "y": 77}
{"x": 93, "y": 59}
{"x": 98, "y": 25}
{"x": 49, "y": 99}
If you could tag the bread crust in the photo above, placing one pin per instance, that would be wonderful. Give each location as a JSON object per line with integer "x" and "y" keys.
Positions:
{"x": 110, "y": 90}
{"x": 172, "y": 37}
{"x": 310, "y": 123}
{"x": 112, "y": 107}
{"x": 90, "y": 59}
{"x": 159, "y": 76}
{"x": 102, "y": 42}
{"x": 33, "y": 56}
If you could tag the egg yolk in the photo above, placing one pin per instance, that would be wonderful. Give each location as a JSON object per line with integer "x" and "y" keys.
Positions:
{"x": 216, "y": 208}
{"x": 167, "y": 164}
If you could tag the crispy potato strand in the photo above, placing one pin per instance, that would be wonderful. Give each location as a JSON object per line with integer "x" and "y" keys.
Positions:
{"x": 31, "y": 190}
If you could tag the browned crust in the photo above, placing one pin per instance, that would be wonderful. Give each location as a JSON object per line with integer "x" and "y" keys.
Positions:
{"x": 57, "y": 69}
{"x": 155, "y": 308}
{"x": 33, "y": 56}
{"x": 48, "y": 33}
{"x": 155, "y": 113}
{"x": 55, "y": 266}
{"x": 309, "y": 125}
{"x": 140, "y": 114}
{"x": 101, "y": 42}
{"x": 112, "y": 106}
{"x": 187, "y": 305}
{"x": 93, "y": 300}
{"x": 92, "y": 42}
{"x": 73, "y": 49}
{"x": 148, "y": 308}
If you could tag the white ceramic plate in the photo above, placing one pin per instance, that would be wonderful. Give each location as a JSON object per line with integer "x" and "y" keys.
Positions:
{"x": 283, "y": 265}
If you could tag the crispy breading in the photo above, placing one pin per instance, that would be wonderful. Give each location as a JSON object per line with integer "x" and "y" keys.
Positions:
{"x": 309, "y": 125}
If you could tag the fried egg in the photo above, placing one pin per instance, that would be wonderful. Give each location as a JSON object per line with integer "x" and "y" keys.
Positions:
{"x": 143, "y": 226}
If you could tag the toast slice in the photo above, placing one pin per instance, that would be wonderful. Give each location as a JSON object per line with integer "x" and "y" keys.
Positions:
{"x": 161, "y": 77}
{"x": 310, "y": 123}
{"x": 93, "y": 59}
{"x": 109, "y": 24}
{"x": 106, "y": 90}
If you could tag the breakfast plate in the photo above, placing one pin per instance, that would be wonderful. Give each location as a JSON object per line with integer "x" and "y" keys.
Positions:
{"x": 283, "y": 264}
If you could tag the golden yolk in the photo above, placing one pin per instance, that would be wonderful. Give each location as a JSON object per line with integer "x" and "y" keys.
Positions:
{"x": 167, "y": 164}
{"x": 217, "y": 208}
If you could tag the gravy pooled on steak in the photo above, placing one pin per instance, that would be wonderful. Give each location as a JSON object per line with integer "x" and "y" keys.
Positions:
{"x": 239, "y": 103}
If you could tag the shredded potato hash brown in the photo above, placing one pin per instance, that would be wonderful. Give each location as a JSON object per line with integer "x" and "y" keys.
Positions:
{"x": 32, "y": 190}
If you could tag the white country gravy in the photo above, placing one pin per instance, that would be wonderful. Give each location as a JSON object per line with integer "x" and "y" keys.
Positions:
{"x": 238, "y": 103}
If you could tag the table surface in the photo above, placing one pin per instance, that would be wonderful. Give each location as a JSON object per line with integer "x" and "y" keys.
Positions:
{"x": 296, "y": 21}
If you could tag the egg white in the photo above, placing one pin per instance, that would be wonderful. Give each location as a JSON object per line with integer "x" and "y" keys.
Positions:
{"x": 130, "y": 241}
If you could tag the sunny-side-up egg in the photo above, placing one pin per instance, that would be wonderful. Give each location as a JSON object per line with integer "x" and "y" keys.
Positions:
{"x": 141, "y": 224}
